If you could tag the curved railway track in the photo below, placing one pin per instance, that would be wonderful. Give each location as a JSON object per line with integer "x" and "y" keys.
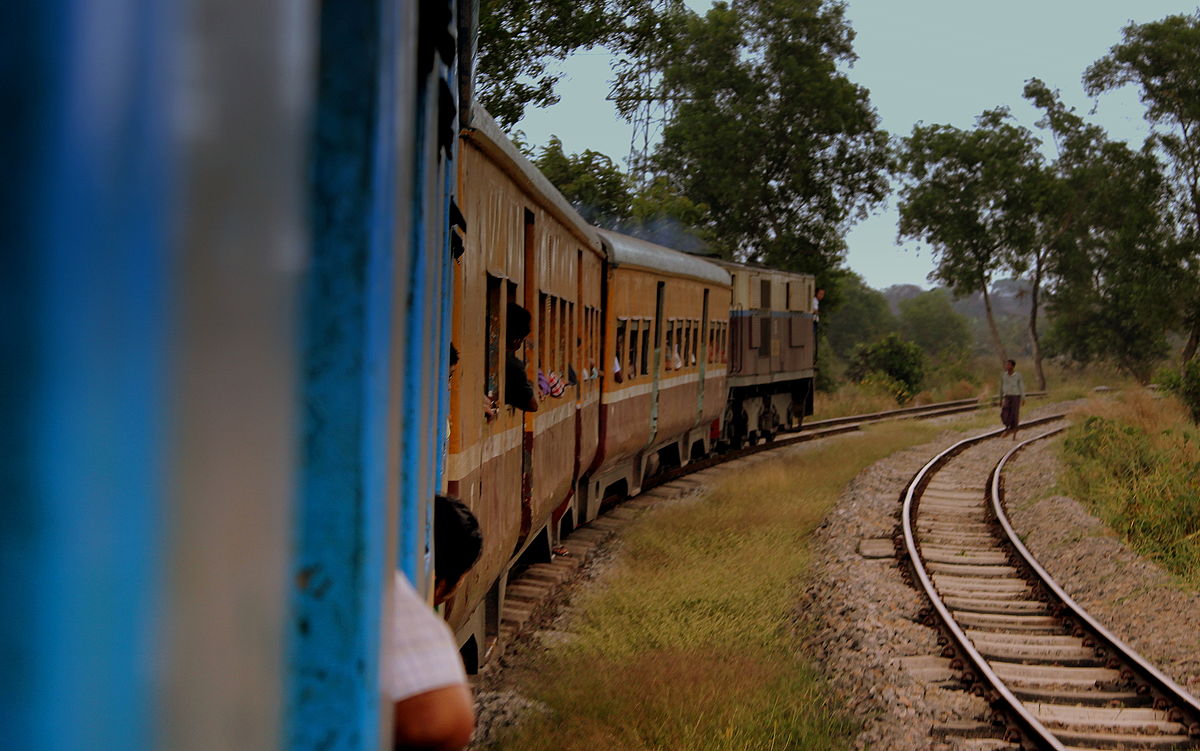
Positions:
{"x": 1055, "y": 678}
{"x": 816, "y": 429}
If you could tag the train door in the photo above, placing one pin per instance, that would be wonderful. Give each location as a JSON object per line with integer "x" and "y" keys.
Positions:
{"x": 529, "y": 251}
{"x": 702, "y": 358}
{"x": 657, "y": 363}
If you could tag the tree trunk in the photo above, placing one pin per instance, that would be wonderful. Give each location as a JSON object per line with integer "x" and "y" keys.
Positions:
{"x": 1189, "y": 348}
{"x": 991, "y": 320}
{"x": 1033, "y": 332}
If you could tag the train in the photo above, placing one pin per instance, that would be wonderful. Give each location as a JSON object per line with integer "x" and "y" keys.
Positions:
{"x": 668, "y": 357}
{"x": 244, "y": 237}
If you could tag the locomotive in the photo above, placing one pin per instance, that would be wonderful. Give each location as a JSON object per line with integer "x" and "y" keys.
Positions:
{"x": 667, "y": 358}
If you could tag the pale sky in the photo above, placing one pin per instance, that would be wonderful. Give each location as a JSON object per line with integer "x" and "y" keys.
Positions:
{"x": 936, "y": 61}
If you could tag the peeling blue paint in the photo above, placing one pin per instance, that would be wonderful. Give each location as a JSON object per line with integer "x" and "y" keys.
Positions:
{"x": 333, "y": 701}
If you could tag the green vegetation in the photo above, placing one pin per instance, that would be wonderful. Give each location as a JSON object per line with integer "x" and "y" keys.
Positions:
{"x": 692, "y": 643}
{"x": 890, "y": 364}
{"x": 1135, "y": 461}
{"x": 764, "y": 127}
{"x": 1057, "y": 242}
{"x": 970, "y": 194}
{"x": 1184, "y": 384}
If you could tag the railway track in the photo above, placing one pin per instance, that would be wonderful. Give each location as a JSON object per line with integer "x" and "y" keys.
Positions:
{"x": 1055, "y": 678}
{"x": 816, "y": 429}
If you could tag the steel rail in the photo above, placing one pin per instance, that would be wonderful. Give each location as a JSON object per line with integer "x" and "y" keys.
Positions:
{"x": 950, "y": 407}
{"x": 1167, "y": 688}
{"x": 1031, "y": 726}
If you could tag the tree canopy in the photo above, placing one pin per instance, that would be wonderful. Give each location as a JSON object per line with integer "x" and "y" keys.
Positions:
{"x": 1162, "y": 59}
{"x": 605, "y": 196}
{"x": 970, "y": 195}
{"x": 855, "y": 314}
{"x": 930, "y": 321}
{"x": 768, "y": 132}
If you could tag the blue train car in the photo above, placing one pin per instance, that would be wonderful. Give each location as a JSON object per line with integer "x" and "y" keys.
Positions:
{"x": 228, "y": 227}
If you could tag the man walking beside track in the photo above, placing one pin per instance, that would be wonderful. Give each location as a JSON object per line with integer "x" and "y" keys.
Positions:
{"x": 1012, "y": 396}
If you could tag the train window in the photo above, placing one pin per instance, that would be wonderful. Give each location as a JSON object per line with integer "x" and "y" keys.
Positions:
{"x": 572, "y": 353}
{"x": 646, "y": 347}
{"x": 764, "y": 338}
{"x": 619, "y": 348}
{"x": 687, "y": 344}
{"x": 680, "y": 342}
{"x": 667, "y": 363}
{"x": 540, "y": 328}
{"x": 493, "y": 346}
{"x": 765, "y": 294}
{"x": 787, "y": 295}
{"x": 632, "y": 365}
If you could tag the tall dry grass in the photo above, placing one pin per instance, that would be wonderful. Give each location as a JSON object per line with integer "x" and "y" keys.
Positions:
{"x": 1134, "y": 459}
{"x": 691, "y": 643}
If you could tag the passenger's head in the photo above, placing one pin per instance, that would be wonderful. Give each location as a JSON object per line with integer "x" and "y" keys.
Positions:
{"x": 820, "y": 293}
{"x": 1009, "y": 365}
{"x": 520, "y": 323}
{"x": 457, "y": 544}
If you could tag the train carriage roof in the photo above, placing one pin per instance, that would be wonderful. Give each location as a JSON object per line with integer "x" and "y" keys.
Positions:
{"x": 633, "y": 251}
{"x": 735, "y": 266}
{"x": 486, "y": 134}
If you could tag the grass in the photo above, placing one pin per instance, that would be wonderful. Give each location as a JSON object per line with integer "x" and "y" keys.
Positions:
{"x": 692, "y": 642}
{"x": 1134, "y": 460}
{"x": 980, "y": 379}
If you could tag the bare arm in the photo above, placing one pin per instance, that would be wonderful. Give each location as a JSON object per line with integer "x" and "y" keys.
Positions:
{"x": 439, "y": 720}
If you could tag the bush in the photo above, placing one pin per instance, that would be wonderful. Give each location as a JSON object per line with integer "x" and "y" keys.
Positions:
{"x": 901, "y": 363}
{"x": 1185, "y": 384}
{"x": 1189, "y": 388}
{"x": 1136, "y": 465}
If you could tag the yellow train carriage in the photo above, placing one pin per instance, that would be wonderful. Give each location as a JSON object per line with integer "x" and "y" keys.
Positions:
{"x": 666, "y": 317}
{"x": 524, "y": 245}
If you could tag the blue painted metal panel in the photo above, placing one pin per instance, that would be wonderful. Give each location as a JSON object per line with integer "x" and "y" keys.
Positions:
{"x": 84, "y": 211}
{"x": 339, "y": 563}
{"x": 427, "y": 341}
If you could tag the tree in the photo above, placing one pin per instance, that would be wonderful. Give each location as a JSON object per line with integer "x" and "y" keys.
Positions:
{"x": 901, "y": 363}
{"x": 970, "y": 195}
{"x": 766, "y": 131}
{"x": 854, "y": 314}
{"x": 520, "y": 40}
{"x": 604, "y": 195}
{"x": 591, "y": 181}
{"x": 1115, "y": 262}
{"x": 1162, "y": 59}
{"x": 930, "y": 322}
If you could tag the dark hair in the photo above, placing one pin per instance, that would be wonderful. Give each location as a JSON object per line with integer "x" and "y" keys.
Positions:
{"x": 457, "y": 540}
{"x": 1012, "y": 362}
{"x": 520, "y": 322}
{"x": 453, "y": 355}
